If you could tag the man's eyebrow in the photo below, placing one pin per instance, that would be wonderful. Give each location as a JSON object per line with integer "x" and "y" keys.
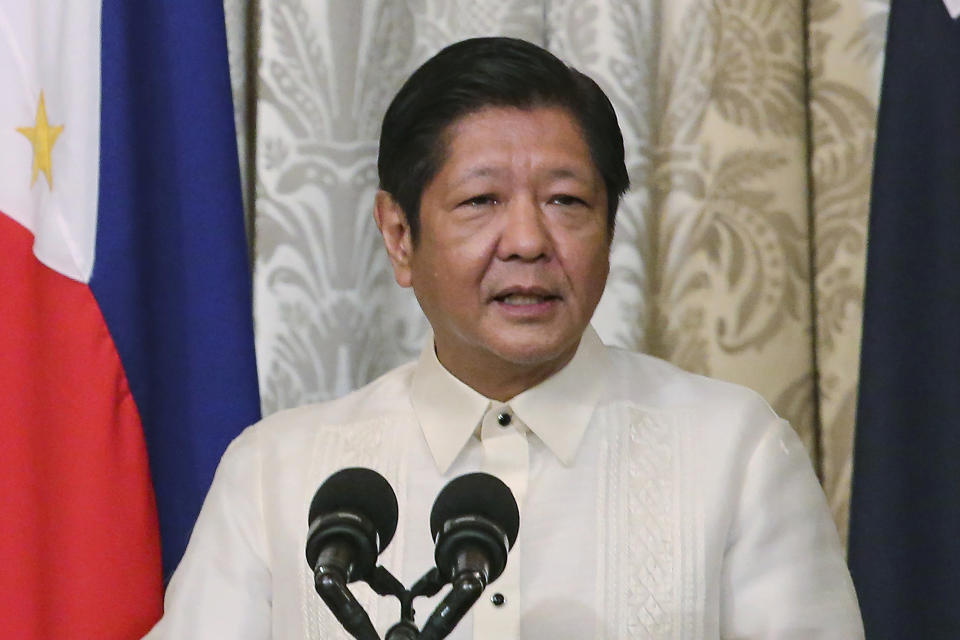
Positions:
{"x": 567, "y": 172}
{"x": 478, "y": 172}
{"x": 556, "y": 173}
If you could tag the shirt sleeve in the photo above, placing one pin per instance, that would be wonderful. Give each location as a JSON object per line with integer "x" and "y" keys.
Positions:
{"x": 222, "y": 587}
{"x": 784, "y": 574}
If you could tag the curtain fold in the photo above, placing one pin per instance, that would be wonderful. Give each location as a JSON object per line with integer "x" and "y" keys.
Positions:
{"x": 739, "y": 252}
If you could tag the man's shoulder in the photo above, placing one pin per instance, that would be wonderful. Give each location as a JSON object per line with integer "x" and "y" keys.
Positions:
{"x": 656, "y": 384}
{"x": 387, "y": 395}
{"x": 721, "y": 423}
{"x": 652, "y": 379}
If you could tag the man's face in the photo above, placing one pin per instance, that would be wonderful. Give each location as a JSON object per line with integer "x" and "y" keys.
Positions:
{"x": 513, "y": 252}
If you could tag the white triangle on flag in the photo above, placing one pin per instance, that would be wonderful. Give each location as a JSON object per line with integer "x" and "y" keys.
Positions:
{"x": 52, "y": 48}
{"x": 953, "y": 6}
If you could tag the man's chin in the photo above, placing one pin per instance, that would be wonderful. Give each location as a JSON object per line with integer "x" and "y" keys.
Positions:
{"x": 533, "y": 354}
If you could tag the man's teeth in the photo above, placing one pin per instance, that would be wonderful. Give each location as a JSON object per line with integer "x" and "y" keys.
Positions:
{"x": 520, "y": 299}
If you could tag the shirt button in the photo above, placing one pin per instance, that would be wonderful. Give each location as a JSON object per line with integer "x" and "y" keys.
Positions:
{"x": 497, "y": 599}
{"x": 503, "y": 419}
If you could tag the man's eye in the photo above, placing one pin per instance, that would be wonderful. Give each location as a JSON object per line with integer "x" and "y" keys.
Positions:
{"x": 566, "y": 200}
{"x": 479, "y": 201}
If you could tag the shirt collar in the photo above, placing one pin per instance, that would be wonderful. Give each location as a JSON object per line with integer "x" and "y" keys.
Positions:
{"x": 558, "y": 409}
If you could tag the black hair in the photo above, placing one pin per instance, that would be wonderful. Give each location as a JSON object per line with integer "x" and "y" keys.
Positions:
{"x": 489, "y": 72}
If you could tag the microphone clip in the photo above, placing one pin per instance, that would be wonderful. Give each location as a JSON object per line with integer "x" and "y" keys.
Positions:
{"x": 471, "y": 543}
{"x": 345, "y": 540}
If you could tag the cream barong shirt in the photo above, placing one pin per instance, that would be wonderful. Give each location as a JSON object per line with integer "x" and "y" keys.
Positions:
{"x": 654, "y": 504}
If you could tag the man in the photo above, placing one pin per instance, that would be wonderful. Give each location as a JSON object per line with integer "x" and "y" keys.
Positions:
{"x": 654, "y": 503}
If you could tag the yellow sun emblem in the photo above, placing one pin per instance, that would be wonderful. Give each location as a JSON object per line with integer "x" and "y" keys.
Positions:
{"x": 42, "y": 136}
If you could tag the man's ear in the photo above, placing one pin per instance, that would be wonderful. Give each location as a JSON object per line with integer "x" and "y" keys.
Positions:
{"x": 397, "y": 238}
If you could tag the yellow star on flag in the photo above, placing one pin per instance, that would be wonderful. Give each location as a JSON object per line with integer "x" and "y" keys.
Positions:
{"x": 42, "y": 136}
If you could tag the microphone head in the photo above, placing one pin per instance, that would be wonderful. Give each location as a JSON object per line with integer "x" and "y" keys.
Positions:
{"x": 477, "y": 494}
{"x": 362, "y": 491}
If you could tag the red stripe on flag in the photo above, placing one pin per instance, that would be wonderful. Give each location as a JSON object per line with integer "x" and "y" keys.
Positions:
{"x": 79, "y": 541}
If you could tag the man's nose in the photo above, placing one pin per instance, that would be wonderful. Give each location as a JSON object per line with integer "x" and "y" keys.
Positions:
{"x": 525, "y": 234}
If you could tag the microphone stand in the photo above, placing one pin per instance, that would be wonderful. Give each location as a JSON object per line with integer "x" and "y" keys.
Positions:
{"x": 383, "y": 583}
{"x": 466, "y": 559}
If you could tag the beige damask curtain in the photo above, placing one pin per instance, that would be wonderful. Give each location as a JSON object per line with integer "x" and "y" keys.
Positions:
{"x": 739, "y": 252}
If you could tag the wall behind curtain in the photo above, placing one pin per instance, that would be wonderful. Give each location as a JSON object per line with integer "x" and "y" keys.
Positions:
{"x": 739, "y": 252}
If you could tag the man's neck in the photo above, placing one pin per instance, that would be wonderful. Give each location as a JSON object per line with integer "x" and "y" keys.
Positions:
{"x": 502, "y": 381}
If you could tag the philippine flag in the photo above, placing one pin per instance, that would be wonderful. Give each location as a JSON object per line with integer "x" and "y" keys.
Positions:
{"x": 905, "y": 511}
{"x": 126, "y": 340}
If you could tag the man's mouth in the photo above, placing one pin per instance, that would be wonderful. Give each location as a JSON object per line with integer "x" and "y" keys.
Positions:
{"x": 523, "y": 298}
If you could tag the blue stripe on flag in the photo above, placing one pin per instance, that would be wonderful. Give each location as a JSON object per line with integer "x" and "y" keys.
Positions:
{"x": 905, "y": 516}
{"x": 171, "y": 272}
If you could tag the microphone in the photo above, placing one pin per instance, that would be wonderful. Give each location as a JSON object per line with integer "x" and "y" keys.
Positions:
{"x": 352, "y": 517}
{"x": 474, "y": 523}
